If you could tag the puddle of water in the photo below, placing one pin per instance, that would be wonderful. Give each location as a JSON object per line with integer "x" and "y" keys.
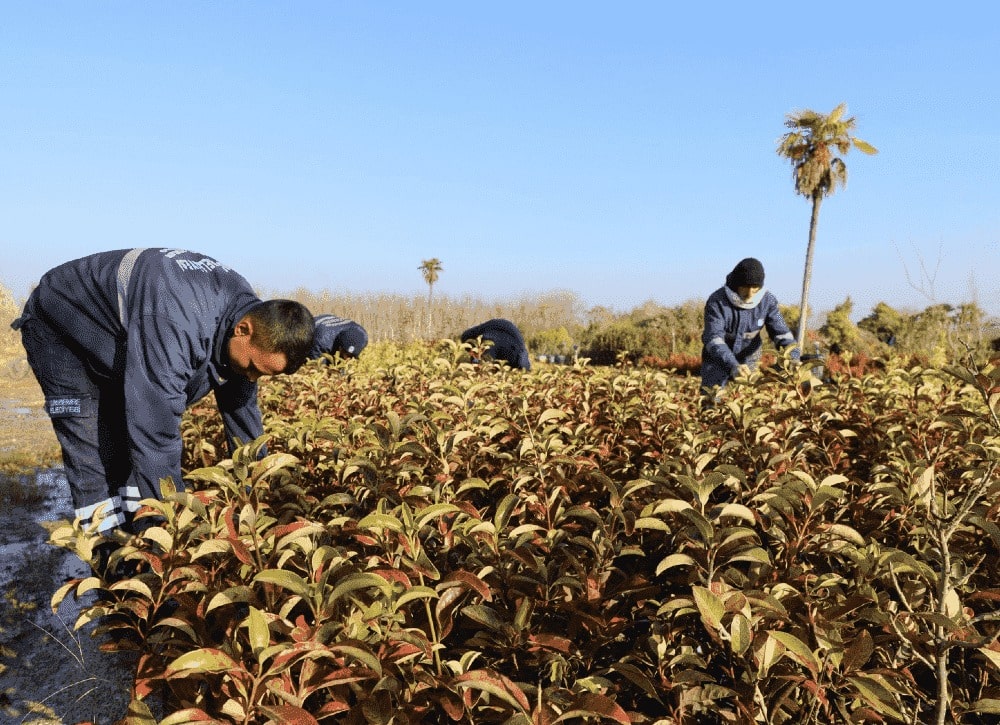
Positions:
{"x": 13, "y": 405}
{"x": 58, "y": 503}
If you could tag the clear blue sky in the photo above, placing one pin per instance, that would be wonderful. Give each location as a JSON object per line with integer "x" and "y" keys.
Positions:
{"x": 624, "y": 151}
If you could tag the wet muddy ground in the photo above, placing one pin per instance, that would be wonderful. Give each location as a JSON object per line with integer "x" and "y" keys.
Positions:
{"x": 49, "y": 671}
{"x": 50, "y": 667}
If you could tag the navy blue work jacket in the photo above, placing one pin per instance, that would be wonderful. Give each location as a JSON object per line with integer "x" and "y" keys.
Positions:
{"x": 732, "y": 333}
{"x": 335, "y": 334}
{"x": 508, "y": 343}
{"x": 158, "y": 320}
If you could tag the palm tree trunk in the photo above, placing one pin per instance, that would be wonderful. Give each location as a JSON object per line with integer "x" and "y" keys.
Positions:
{"x": 430, "y": 297}
{"x": 807, "y": 275}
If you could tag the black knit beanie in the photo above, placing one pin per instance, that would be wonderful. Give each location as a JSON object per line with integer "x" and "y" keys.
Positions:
{"x": 748, "y": 273}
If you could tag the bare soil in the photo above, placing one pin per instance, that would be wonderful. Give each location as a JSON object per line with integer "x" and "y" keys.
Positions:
{"x": 49, "y": 671}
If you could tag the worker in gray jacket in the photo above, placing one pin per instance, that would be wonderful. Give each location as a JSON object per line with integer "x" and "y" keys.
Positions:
{"x": 338, "y": 337}
{"x": 735, "y": 316}
{"x": 122, "y": 342}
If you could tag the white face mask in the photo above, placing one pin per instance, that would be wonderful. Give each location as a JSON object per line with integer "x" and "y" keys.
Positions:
{"x": 746, "y": 304}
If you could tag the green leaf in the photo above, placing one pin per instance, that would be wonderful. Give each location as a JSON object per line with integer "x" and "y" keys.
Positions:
{"x": 267, "y": 466}
{"x": 288, "y": 714}
{"x": 754, "y": 554}
{"x": 992, "y": 655}
{"x": 425, "y": 515}
{"x": 876, "y": 695}
{"x": 160, "y": 537}
{"x": 704, "y": 526}
{"x": 636, "y": 676}
{"x": 201, "y": 660}
{"x": 651, "y": 523}
{"x": 487, "y": 617}
{"x": 178, "y": 624}
{"x": 711, "y": 607}
{"x": 133, "y": 585}
{"x": 952, "y": 603}
{"x": 211, "y": 546}
{"x": 215, "y": 475}
{"x": 302, "y": 531}
{"x": 922, "y": 488}
{"x": 846, "y": 533}
{"x": 470, "y": 484}
{"x": 140, "y": 714}
{"x": 966, "y": 376}
{"x": 413, "y": 594}
{"x": 833, "y": 480}
{"x": 671, "y": 505}
{"x": 769, "y": 653}
{"x": 381, "y": 522}
{"x": 257, "y": 630}
{"x": 987, "y": 704}
{"x": 504, "y": 510}
{"x": 590, "y": 704}
{"x": 188, "y": 716}
{"x": 674, "y": 560}
{"x": 938, "y": 620}
{"x": 740, "y": 635}
{"x": 496, "y": 685}
{"x": 551, "y": 414}
{"x": 988, "y": 526}
{"x": 285, "y": 579}
{"x": 586, "y": 513}
{"x": 858, "y": 652}
{"x": 739, "y": 511}
{"x": 362, "y": 655}
{"x": 71, "y": 586}
{"x": 524, "y": 529}
{"x": 797, "y": 650}
{"x": 230, "y": 596}
{"x": 354, "y": 582}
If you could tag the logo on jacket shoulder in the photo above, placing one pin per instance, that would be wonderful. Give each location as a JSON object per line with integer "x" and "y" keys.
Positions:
{"x": 760, "y": 322}
{"x": 204, "y": 264}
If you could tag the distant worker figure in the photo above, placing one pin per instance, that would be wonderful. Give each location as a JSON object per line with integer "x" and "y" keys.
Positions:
{"x": 735, "y": 314}
{"x": 508, "y": 343}
{"x": 338, "y": 337}
{"x": 122, "y": 342}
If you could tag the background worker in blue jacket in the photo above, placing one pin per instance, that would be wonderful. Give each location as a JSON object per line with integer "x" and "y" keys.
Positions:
{"x": 508, "y": 343}
{"x": 337, "y": 336}
{"x": 735, "y": 315}
{"x": 122, "y": 342}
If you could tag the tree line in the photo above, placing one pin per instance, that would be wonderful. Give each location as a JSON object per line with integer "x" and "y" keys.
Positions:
{"x": 560, "y": 325}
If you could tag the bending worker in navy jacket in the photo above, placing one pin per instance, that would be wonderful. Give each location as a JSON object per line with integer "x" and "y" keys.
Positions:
{"x": 122, "y": 342}
{"x": 508, "y": 344}
{"x": 735, "y": 315}
{"x": 337, "y": 336}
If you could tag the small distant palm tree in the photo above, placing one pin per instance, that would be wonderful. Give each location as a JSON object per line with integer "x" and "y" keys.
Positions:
{"x": 812, "y": 146}
{"x": 430, "y": 269}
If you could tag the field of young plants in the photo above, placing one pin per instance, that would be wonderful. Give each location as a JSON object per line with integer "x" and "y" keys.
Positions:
{"x": 430, "y": 541}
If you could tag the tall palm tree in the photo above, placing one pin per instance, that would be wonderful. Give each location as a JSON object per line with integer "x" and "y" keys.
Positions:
{"x": 430, "y": 269}
{"x": 812, "y": 146}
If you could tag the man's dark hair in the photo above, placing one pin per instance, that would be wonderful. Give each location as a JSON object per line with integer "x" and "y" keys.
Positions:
{"x": 283, "y": 326}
